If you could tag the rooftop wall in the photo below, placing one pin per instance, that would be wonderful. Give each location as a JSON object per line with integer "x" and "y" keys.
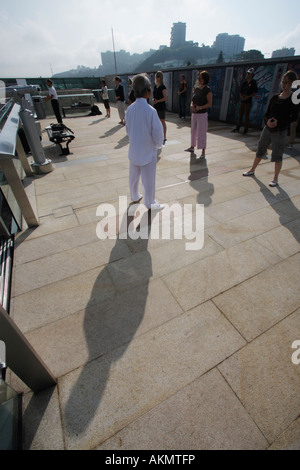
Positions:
{"x": 225, "y": 83}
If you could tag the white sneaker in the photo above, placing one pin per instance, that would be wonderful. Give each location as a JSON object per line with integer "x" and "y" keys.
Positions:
{"x": 157, "y": 207}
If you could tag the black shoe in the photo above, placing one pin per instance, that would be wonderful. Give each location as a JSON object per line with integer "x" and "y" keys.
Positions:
{"x": 245, "y": 131}
{"x": 236, "y": 129}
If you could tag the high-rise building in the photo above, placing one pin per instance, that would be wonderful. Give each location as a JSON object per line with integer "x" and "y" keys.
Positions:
{"x": 284, "y": 52}
{"x": 178, "y": 34}
{"x": 230, "y": 45}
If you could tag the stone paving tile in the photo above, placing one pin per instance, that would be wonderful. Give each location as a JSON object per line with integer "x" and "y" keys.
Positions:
{"x": 257, "y": 304}
{"x": 283, "y": 240}
{"x": 39, "y": 273}
{"x": 265, "y": 379}
{"x": 205, "y": 415}
{"x": 57, "y": 300}
{"x": 248, "y": 226}
{"x": 203, "y": 280}
{"x": 151, "y": 368}
{"x": 79, "y": 338}
{"x": 289, "y": 439}
{"x": 32, "y": 249}
{"x": 125, "y": 353}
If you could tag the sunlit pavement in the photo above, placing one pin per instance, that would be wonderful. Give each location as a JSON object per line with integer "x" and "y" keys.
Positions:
{"x": 154, "y": 346}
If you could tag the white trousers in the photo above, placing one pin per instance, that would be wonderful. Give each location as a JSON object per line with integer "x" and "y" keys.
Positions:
{"x": 148, "y": 174}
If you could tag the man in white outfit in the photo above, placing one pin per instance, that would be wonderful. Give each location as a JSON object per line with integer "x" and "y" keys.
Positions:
{"x": 146, "y": 136}
{"x": 54, "y": 100}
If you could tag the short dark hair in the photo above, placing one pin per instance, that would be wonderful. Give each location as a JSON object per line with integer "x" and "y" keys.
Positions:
{"x": 290, "y": 75}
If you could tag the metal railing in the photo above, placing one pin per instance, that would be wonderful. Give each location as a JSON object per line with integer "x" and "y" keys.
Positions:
{"x": 21, "y": 358}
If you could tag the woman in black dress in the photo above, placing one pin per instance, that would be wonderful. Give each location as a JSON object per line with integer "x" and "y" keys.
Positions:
{"x": 159, "y": 100}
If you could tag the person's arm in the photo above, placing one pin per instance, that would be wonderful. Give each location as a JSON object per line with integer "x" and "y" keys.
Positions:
{"x": 157, "y": 131}
{"x": 269, "y": 119}
{"x": 49, "y": 97}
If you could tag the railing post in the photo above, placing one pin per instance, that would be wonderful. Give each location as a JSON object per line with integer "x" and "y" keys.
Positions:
{"x": 21, "y": 358}
{"x": 8, "y": 139}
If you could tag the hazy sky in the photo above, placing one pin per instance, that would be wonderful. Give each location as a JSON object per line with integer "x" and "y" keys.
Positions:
{"x": 38, "y": 37}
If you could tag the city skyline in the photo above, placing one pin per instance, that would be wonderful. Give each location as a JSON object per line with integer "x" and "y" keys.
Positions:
{"x": 42, "y": 40}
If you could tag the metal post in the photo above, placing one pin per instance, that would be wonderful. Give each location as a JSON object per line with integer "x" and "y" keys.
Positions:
{"x": 41, "y": 164}
{"x": 11, "y": 174}
{"x": 7, "y": 152}
{"x": 21, "y": 358}
{"x": 23, "y": 158}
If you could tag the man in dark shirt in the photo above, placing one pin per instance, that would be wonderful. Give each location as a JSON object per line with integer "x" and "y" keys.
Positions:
{"x": 247, "y": 92}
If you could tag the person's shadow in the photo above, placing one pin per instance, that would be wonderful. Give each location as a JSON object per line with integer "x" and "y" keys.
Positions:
{"x": 111, "y": 131}
{"x": 285, "y": 214}
{"x": 198, "y": 178}
{"x": 111, "y": 325}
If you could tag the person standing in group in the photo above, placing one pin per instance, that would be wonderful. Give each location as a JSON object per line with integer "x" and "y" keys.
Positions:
{"x": 247, "y": 92}
{"x": 182, "y": 92}
{"x": 294, "y": 125}
{"x": 105, "y": 98}
{"x": 120, "y": 97}
{"x": 131, "y": 97}
{"x": 145, "y": 134}
{"x": 52, "y": 96}
{"x": 159, "y": 100}
{"x": 201, "y": 103}
{"x": 280, "y": 113}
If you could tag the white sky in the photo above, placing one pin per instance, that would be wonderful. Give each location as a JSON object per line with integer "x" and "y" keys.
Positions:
{"x": 38, "y": 37}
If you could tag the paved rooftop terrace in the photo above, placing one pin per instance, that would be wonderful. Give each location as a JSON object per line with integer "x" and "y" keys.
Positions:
{"x": 153, "y": 346}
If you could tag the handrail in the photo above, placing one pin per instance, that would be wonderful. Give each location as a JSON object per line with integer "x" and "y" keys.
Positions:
{"x": 5, "y": 110}
{"x": 22, "y": 359}
{"x": 8, "y": 144}
{"x": 8, "y": 135}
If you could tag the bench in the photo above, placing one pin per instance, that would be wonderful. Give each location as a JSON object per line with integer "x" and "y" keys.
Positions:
{"x": 59, "y": 134}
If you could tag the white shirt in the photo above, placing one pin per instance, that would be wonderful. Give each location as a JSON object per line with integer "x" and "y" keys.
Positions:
{"x": 105, "y": 93}
{"x": 145, "y": 132}
{"x": 52, "y": 93}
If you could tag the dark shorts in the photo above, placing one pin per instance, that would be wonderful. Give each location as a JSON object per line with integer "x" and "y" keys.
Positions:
{"x": 106, "y": 104}
{"x": 278, "y": 141}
